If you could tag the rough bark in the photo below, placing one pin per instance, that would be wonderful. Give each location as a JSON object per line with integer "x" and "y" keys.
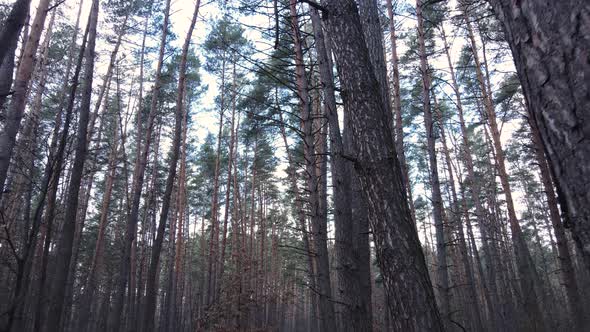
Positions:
{"x": 400, "y": 257}
{"x": 568, "y": 281}
{"x": 354, "y": 315}
{"x": 550, "y": 43}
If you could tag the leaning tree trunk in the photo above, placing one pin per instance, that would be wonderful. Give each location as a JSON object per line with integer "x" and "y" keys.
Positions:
{"x": 141, "y": 157}
{"x": 405, "y": 276}
{"x": 14, "y": 115}
{"x": 152, "y": 278}
{"x": 12, "y": 26}
{"x": 550, "y": 45}
{"x": 528, "y": 275}
{"x": 64, "y": 246}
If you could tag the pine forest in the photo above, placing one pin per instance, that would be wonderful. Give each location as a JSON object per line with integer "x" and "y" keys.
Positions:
{"x": 294, "y": 165}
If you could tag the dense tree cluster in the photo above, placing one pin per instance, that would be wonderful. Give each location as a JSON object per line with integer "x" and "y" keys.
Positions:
{"x": 285, "y": 165}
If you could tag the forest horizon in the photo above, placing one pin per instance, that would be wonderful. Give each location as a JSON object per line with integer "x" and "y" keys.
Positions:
{"x": 294, "y": 165}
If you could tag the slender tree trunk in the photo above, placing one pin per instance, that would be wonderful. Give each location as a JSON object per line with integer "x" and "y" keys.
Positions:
{"x": 528, "y": 280}
{"x": 456, "y": 217}
{"x": 400, "y": 257}
{"x": 301, "y": 220}
{"x": 138, "y": 179}
{"x": 474, "y": 188}
{"x": 176, "y": 290}
{"x": 230, "y": 164}
{"x": 214, "y": 239}
{"x": 152, "y": 280}
{"x": 53, "y": 169}
{"x": 318, "y": 222}
{"x": 14, "y": 115}
{"x": 97, "y": 266}
{"x": 397, "y": 108}
{"x": 549, "y": 42}
{"x": 64, "y": 247}
{"x": 442, "y": 275}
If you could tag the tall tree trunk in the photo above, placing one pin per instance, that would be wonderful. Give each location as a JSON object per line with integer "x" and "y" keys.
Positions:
{"x": 549, "y": 43}
{"x": 152, "y": 279}
{"x": 412, "y": 303}
{"x": 355, "y": 314}
{"x": 176, "y": 289}
{"x": 301, "y": 220}
{"x": 54, "y": 166}
{"x": 142, "y": 152}
{"x": 442, "y": 275}
{"x": 64, "y": 246}
{"x": 318, "y": 222}
{"x": 214, "y": 238}
{"x": 397, "y": 108}
{"x": 14, "y": 115}
{"x": 230, "y": 164}
{"x": 97, "y": 266}
{"x": 475, "y": 190}
{"x": 457, "y": 222}
{"x": 528, "y": 278}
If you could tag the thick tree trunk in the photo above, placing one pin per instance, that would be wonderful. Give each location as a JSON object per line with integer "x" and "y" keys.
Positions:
{"x": 64, "y": 246}
{"x": 569, "y": 282}
{"x": 550, "y": 43}
{"x": 6, "y": 71}
{"x": 13, "y": 25}
{"x": 412, "y": 303}
{"x": 355, "y": 313}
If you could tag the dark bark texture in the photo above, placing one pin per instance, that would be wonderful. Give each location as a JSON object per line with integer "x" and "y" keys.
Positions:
{"x": 550, "y": 43}
{"x": 400, "y": 257}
